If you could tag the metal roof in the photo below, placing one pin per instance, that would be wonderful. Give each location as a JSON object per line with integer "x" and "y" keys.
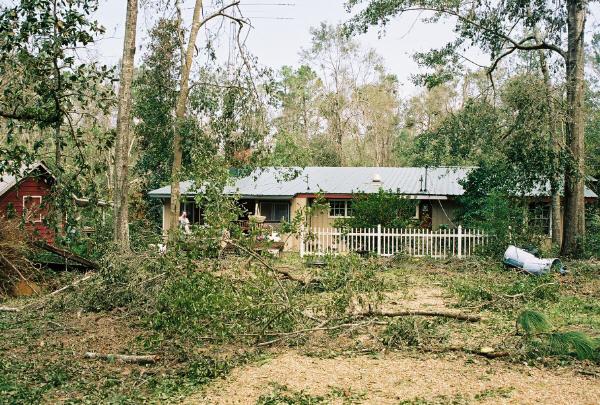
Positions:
{"x": 287, "y": 182}
{"x": 8, "y": 181}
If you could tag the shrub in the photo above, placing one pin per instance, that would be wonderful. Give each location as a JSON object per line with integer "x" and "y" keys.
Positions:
{"x": 385, "y": 208}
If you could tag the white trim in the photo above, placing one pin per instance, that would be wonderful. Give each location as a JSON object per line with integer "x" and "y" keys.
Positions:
{"x": 39, "y": 207}
{"x": 346, "y": 201}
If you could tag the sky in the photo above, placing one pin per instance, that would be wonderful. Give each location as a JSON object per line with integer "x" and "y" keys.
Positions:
{"x": 281, "y": 29}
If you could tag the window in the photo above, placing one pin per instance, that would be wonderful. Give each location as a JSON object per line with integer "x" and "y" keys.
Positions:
{"x": 32, "y": 208}
{"x": 340, "y": 208}
{"x": 192, "y": 210}
{"x": 275, "y": 211}
{"x": 539, "y": 217}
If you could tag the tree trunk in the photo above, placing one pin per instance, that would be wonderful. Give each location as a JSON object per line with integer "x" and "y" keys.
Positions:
{"x": 554, "y": 135}
{"x": 180, "y": 110}
{"x": 121, "y": 176}
{"x": 574, "y": 219}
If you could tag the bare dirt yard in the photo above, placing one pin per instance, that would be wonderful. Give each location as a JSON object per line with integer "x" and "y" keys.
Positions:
{"x": 219, "y": 346}
{"x": 393, "y": 378}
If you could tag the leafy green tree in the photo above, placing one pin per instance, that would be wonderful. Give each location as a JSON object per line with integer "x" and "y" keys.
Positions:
{"x": 43, "y": 81}
{"x": 52, "y": 102}
{"x": 154, "y": 101}
{"x": 501, "y": 29}
{"x": 298, "y": 124}
{"x": 343, "y": 66}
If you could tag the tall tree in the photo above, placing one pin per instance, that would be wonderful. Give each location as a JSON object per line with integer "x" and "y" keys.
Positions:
{"x": 343, "y": 67}
{"x": 187, "y": 56}
{"x": 154, "y": 94}
{"x": 122, "y": 144}
{"x": 492, "y": 26}
{"x": 46, "y": 89}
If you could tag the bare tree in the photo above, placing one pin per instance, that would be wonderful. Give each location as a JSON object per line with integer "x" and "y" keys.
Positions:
{"x": 122, "y": 146}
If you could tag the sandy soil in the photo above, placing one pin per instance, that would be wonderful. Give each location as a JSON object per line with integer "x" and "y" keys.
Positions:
{"x": 395, "y": 377}
{"x": 417, "y": 298}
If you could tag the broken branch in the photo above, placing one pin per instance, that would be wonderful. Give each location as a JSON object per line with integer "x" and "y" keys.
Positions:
{"x": 286, "y": 274}
{"x": 453, "y": 315}
{"x": 144, "y": 359}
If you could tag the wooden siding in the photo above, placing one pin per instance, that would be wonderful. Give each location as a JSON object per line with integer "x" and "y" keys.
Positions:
{"x": 12, "y": 201}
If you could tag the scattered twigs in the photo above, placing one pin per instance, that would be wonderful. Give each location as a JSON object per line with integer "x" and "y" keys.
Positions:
{"x": 40, "y": 302}
{"x": 321, "y": 327}
{"x": 8, "y": 262}
{"x": 453, "y": 315}
{"x": 135, "y": 359}
{"x": 484, "y": 351}
{"x": 286, "y": 274}
{"x": 523, "y": 294}
{"x": 264, "y": 263}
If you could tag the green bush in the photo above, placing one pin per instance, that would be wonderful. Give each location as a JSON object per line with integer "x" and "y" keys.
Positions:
{"x": 492, "y": 202}
{"x": 385, "y": 208}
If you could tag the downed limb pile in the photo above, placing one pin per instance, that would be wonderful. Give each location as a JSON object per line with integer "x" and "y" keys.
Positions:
{"x": 40, "y": 302}
{"x": 374, "y": 314}
{"x": 286, "y": 274}
{"x": 133, "y": 359}
{"x": 14, "y": 265}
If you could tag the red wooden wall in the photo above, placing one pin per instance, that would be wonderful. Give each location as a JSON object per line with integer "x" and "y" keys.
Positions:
{"x": 30, "y": 186}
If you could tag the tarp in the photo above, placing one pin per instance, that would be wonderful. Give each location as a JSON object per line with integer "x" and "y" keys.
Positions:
{"x": 522, "y": 259}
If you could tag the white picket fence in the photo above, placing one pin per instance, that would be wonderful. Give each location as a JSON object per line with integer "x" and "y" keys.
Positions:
{"x": 443, "y": 243}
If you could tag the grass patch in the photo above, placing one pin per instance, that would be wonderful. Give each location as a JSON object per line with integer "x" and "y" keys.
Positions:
{"x": 282, "y": 395}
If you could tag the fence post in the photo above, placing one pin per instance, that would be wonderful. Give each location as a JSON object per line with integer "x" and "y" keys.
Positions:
{"x": 459, "y": 236}
{"x": 379, "y": 239}
{"x": 301, "y": 239}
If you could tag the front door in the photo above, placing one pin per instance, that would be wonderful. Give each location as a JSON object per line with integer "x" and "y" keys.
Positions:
{"x": 425, "y": 214}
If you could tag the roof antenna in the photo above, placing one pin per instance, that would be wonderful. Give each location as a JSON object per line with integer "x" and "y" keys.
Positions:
{"x": 421, "y": 181}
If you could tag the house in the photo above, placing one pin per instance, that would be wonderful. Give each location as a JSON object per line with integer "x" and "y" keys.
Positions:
{"x": 23, "y": 195}
{"x": 278, "y": 193}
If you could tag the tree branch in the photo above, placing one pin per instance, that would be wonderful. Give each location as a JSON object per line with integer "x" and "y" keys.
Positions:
{"x": 513, "y": 42}
{"x": 221, "y": 13}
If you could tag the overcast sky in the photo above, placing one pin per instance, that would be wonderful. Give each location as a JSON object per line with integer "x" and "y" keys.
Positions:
{"x": 281, "y": 29}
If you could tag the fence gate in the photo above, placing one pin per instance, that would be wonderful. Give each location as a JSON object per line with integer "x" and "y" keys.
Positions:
{"x": 443, "y": 243}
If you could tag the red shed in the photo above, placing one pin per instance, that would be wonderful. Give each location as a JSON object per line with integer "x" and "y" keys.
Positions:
{"x": 24, "y": 195}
